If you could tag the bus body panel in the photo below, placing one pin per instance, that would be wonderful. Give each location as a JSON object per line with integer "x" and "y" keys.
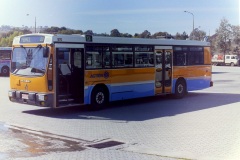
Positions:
{"x": 29, "y": 84}
{"x": 207, "y": 56}
{"x": 197, "y": 77}
{"x": 122, "y": 83}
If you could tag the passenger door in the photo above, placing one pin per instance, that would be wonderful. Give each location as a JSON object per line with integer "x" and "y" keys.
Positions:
{"x": 69, "y": 71}
{"x": 163, "y": 69}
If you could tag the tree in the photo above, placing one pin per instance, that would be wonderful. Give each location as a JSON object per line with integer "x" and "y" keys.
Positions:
{"x": 102, "y": 34}
{"x": 236, "y": 50}
{"x": 52, "y": 30}
{"x": 126, "y": 35}
{"x": 224, "y": 35}
{"x": 145, "y": 34}
{"x": 115, "y": 33}
{"x": 182, "y": 36}
{"x": 198, "y": 34}
{"x": 159, "y": 35}
{"x": 88, "y": 32}
{"x": 68, "y": 31}
{"x": 136, "y": 35}
{"x": 213, "y": 43}
{"x": 7, "y": 41}
{"x": 62, "y": 30}
{"x": 236, "y": 34}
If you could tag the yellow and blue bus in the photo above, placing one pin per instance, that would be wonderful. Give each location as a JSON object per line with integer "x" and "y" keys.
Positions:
{"x": 72, "y": 70}
{"x": 5, "y": 57}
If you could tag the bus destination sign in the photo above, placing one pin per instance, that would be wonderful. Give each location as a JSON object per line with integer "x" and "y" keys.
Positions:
{"x": 32, "y": 39}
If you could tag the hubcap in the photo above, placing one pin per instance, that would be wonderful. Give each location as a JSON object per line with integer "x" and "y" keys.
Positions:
{"x": 180, "y": 88}
{"x": 100, "y": 98}
{"x": 4, "y": 70}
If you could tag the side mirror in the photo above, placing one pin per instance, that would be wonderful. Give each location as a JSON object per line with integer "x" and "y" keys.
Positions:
{"x": 46, "y": 52}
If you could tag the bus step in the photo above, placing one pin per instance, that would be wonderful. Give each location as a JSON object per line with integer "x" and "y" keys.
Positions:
{"x": 64, "y": 96}
{"x": 66, "y": 100}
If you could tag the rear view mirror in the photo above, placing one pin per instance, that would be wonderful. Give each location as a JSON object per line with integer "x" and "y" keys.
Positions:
{"x": 46, "y": 52}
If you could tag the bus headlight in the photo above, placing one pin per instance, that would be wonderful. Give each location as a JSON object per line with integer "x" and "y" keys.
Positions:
{"x": 12, "y": 94}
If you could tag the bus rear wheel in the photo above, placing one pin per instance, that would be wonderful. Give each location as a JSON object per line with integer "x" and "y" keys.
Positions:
{"x": 99, "y": 98}
{"x": 180, "y": 89}
{"x": 5, "y": 71}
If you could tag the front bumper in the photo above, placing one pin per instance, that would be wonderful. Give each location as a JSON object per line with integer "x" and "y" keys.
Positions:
{"x": 39, "y": 99}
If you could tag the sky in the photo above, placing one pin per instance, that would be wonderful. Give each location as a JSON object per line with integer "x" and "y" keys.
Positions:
{"x": 128, "y": 16}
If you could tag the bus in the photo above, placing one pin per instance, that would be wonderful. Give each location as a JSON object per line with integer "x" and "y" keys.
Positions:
{"x": 73, "y": 70}
{"x": 5, "y": 58}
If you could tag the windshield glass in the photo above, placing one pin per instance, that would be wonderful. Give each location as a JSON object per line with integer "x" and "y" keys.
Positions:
{"x": 29, "y": 61}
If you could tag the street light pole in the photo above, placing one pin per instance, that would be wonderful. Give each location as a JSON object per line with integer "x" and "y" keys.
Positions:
{"x": 35, "y": 27}
{"x": 193, "y": 20}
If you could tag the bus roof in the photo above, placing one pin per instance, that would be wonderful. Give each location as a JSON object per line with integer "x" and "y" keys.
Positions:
{"x": 60, "y": 38}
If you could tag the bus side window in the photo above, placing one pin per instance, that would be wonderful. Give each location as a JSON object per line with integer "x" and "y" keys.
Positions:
{"x": 118, "y": 60}
{"x": 106, "y": 59}
{"x": 77, "y": 59}
{"x": 94, "y": 60}
{"x": 180, "y": 59}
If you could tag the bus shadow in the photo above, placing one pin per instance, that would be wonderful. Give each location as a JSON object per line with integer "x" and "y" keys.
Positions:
{"x": 219, "y": 72}
{"x": 144, "y": 108}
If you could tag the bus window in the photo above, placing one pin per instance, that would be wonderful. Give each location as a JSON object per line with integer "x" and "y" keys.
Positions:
{"x": 106, "y": 57}
{"x": 144, "y": 59}
{"x": 195, "y": 56}
{"x": 180, "y": 56}
{"x": 122, "y": 56}
{"x": 93, "y": 57}
{"x": 122, "y": 59}
{"x": 159, "y": 58}
{"x": 63, "y": 56}
{"x": 94, "y": 60}
{"x": 5, "y": 54}
{"x": 118, "y": 59}
{"x": 77, "y": 59}
{"x": 97, "y": 57}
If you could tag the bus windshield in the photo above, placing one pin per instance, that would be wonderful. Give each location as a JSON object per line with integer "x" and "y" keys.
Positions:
{"x": 29, "y": 61}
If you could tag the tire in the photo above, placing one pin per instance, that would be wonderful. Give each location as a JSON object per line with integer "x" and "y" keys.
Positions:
{"x": 232, "y": 64}
{"x": 5, "y": 71}
{"x": 99, "y": 98}
{"x": 180, "y": 89}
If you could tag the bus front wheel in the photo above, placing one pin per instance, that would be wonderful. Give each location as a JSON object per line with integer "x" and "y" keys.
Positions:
{"x": 180, "y": 89}
{"x": 99, "y": 98}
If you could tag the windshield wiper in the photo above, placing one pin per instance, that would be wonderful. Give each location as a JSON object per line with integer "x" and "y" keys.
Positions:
{"x": 22, "y": 67}
{"x": 36, "y": 70}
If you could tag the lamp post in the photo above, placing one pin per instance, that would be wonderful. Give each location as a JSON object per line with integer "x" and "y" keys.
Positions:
{"x": 35, "y": 24}
{"x": 193, "y": 21}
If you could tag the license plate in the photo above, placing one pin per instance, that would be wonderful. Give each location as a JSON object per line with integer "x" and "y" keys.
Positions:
{"x": 24, "y": 96}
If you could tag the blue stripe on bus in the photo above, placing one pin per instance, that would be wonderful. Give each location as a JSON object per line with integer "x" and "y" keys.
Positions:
{"x": 194, "y": 83}
{"x": 132, "y": 91}
{"x": 121, "y": 92}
